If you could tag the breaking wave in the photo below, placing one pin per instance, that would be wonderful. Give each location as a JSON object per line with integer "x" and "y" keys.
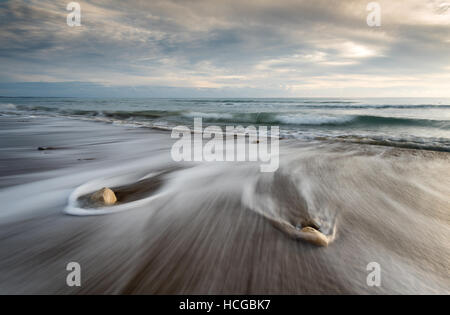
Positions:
{"x": 426, "y": 126}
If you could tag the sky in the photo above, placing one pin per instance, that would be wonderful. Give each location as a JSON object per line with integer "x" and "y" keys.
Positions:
{"x": 226, "y": 48}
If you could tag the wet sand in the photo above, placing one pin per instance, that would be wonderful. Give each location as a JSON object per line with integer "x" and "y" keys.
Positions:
{"x": 208, "y": 228}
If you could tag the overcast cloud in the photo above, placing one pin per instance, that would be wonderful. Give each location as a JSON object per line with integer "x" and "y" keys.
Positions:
{"x": 227, "y": 48}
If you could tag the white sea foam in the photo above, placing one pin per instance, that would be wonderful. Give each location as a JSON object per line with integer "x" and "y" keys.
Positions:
{"x": 74, "y": 207}
{"x": 7, "y": 106}
{"x": 208, "y": 115}
{"x": 313, "y": 120}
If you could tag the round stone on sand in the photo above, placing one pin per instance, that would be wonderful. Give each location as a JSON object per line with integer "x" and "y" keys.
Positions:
{"x": 105, "y": 196}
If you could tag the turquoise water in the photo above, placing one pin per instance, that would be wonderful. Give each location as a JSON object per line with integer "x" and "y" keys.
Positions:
{"x": 414, "y": 122}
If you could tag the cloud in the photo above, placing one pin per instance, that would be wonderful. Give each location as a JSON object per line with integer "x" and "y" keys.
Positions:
{"x": 286, "y": 47}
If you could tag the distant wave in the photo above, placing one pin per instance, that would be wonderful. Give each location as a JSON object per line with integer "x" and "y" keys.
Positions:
{"x": 7, "y": 106}
{"x": 362, "y": 120}
{"x": 314, "y": 120}
{"x": 316, "y": 104}
{"x": 271, "y": 118}
{"x": 330, "y": 102}
{"x": 333, "y": 105}
{"x": 268, "y": 118}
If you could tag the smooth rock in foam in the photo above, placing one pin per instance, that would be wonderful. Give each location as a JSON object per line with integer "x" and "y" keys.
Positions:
{"x": 315, "y": 237}
{"x": 105, "y": 196}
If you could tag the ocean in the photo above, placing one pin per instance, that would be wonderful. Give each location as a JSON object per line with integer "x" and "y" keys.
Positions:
{"x": 422, "y": 123}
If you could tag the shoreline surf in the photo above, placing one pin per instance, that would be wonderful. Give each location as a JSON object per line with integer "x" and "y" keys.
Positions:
{"x": 414, "y": 123}
{"x": 391, "y": 207}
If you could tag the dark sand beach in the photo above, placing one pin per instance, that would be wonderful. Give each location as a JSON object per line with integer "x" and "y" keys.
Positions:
{"x": 216, "y": 228}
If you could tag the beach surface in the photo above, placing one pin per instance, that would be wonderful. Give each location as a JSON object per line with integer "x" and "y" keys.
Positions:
{"x": 215, "y": 228}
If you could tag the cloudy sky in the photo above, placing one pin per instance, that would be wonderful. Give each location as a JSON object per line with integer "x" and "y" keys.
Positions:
{"x": 252, "y": 48}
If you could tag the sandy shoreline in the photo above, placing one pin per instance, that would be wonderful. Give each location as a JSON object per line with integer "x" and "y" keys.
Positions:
{"x": 208, "y": 232}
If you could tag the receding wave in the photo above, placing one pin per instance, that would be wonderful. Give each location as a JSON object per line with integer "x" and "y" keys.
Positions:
{"x": 431, "y": 144}
{"x": 396, "y": 121}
